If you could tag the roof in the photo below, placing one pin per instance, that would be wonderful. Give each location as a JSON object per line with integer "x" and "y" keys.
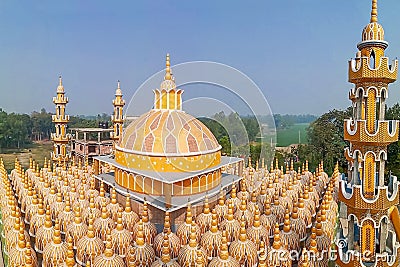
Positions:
{"x": 177, "y": 202}
{"x": 91, "y": 129}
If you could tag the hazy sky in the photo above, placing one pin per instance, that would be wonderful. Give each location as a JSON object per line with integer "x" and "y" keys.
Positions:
{"x": 295, "y": 50}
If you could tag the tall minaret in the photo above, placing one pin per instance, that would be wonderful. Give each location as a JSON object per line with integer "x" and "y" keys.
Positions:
{"x": 60, "y": 137}
{"x": 369, "y": 230}
{"x": 118, "y": 117}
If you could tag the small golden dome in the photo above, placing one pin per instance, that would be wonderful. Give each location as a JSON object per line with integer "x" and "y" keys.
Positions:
{"x": 16, "y": 256}
{"x": 327, "y": 227}
{"x": 304, "y": 213}
{"x": 257, "y": 232}
{"x": 70, "y": 257}
{"x": 184, "y": 230}
{"x": 121, "y": 238}
{"x": 268, "y": 220}
{"x": 373, "y": 31}
{"x": 251, "y": 205}
{"x": 211, "y": 240}
{"x": 174, "y": 241}
{"x": 141, "y": 253}
{"x": 129, "y": 217}
{"x": 235, "y": 200}
{"x": 277, "y": 209}
{"x": 57, "y": 207}
{"x": 323, "y": 241}
{"x": 66, "y": 217}
{"x": 55, "y": 252}
{"x": 243, "y": 249}
{"x": 309, "y": 202}
{"x": 188, "y": 253}
{"x": 243, "y": 211}
{"x": 165, "y": 259}
{"x": 304, "y": 261}
{"x": 89, "y": 246}
{"x": 82, "y": 201}
{"x": 91, "y": 210}
{"x": 297, "y": 224}
{"x": 317, "y": 258}
{"x": 102, "y": 197}
{"x": 290, "y": 239}
{"x": 149, "y": 229}
{"x": 278, "y": 256}
{"x": 230, "y": 224}
{"x": 243, "y": 191}
{"x": 78, "y": 228}
{"x": 31, "y": 209}
{"x": 262, "y": 197}
{"x": 108, "y": 258}
{"x": 12, "y": 236}
{"x": 204, "y": 219}
{"x": 92, "y": 189}
{"x": 103, "y": 223}
{"x": 221, "y": 208}
{"x": 285, "y": 200}
{"x": 44, "y": 234}
{"x": 224, "y": 259}
{"x": 113, "y": 206}
{"x": 9, "y": 219}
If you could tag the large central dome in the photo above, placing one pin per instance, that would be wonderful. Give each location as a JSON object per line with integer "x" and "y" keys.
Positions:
{"x": 166, "y": 138}
{"x": 168, "y": 133}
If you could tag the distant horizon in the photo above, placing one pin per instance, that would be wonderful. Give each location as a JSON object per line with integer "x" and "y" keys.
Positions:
{"x": 297, "y": 52}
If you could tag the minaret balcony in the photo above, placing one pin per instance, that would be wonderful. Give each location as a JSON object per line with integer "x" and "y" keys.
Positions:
{"x": 56, "y": 119}
{"x": 386, "y": 132}
{"x": 353, "y": 258}
{"x": 60, "y": 138}
{"x": 384, "y": 72}
{"x": 60, "y": 101}
{"x": 115, "y": 120}
{"x": 385, "y": 196}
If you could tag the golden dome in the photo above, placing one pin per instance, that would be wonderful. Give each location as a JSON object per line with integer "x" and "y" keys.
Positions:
{"x": 16, "y": 256}
{"x": 290, "y": 239}
{"x": 121, "y": 238}
{"x": 77, "y": 229}
{"x": 188, "y": 253}
{"x": 243, "y": 191}
{"x": 129, "y": 217}
{"x": 89, "y": 246}
{"x": 317, "y": 258}
{"x": 32, "y": 208}
{"x": 12, "y": 236}
{"x": 327, "y": 227}
{"x": 92, "y": 189}
{"x": 262, "y": 197}
{"x": 70, "y": 258}
{"x": 166, "y": 130}
{"x": 304, "y": 213}
{"x": 243, "y": 211}
{"x": 243, "y": 249}
{"x": 141, "y": 253}
{"x": 211, "y": 240}
{"x": 268, "y": 220}
{"x": 113, "y": 206}
{"x": 224, "y": 259}
{"x": 373, "y": 31}
{"x": 44, "y": 234}
{"x": 262, "y": 255}
{"x": 298, "y": 224}
{"x": 221, "y": 208}
{"x": 149, "y": 229}
{"x": 285, "y": 200}
{"x": 251, "y": 205}
{"x": 204, "y": 219}
{"x": 184, "y": 229}
{"x": 82, "y": 201}
{"x": 102, "y": 197}
{"x": 55, "y": 252}
{"x": 91, "y": 210}
{"x": 304, "y": 261}
{"x": 257, "y": 232}
{"x": 57, "y": 206}
{"x": 103, "y": 223}
{"x": 173, "y": 239}
{"x": 277, "y": 209}
{"x": 235, "y": 200}
{"x": 323, "y": 241}
{"x": 165, "y": 259}
{"x": 108, "y": 258}
{"x": 230, "y": 224}
{"x": 278, "y": 256}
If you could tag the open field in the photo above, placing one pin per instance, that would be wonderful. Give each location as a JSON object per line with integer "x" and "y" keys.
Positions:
{"x": 38, "y": 151}
{"x": 288, "y": 136}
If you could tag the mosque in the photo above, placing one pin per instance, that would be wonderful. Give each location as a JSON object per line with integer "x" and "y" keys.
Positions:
{"x": 166, "y": 196}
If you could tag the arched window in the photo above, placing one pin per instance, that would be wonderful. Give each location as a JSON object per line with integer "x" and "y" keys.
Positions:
{"x": 372, "y": 60}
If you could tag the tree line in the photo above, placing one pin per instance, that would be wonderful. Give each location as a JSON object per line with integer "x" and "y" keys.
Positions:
{"x": 19, "y": 130}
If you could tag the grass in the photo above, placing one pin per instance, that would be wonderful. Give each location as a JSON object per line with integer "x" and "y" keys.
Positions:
{"x": 289, "y": 136}
{"x": 38, "y": 151}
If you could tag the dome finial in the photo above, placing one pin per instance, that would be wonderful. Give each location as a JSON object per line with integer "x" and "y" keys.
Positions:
{"x": 374, "y": 12}
{"x": 168, "y": 69}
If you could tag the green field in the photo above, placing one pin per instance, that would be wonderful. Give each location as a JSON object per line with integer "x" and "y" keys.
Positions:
{"x": 38, "y": 151}
{"x": 288, "y": 136}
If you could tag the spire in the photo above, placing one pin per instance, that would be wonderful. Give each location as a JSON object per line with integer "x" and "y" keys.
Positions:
{"x": 374, "y": 12}
{"x": 118, "y": 92}
{"x": 60, "y": 88}
{"x": 168, "y": 75}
